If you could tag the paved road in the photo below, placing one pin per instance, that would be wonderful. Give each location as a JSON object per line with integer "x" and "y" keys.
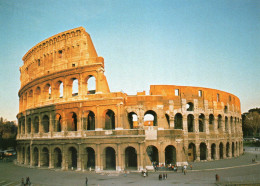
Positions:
{"x": 236, "y": 170}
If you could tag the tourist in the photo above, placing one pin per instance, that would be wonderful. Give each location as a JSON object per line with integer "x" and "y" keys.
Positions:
{"x": 86, "y": 180}
{"x": 28, "y": 183}
{"x": 190, "y": 166}
{"x": 160, "y": 176}
{"x": 22, "y": 182}
{"x": 217, "y": 177}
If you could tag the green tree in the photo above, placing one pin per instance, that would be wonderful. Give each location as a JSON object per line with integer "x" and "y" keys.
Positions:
{"x": 252, "y": 122}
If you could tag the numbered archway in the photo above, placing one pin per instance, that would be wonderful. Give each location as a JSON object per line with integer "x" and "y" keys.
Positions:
{"x": 72, "y": 158}
{"x": 191, "y": 152}
{"x": 213, "y": 151}
{"x": 130, "y": 158}
{"x": 45, "y": 157}
{"x": 203, "y": 151}
{"x": 221, "y": 150}
{"x": 35, "y": 156}
{"x": 90, "y": 158}
{"x": 170, "y": 154}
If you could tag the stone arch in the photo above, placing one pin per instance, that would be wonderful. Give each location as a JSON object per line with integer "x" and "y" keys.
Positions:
{"x": 109, "y": 120}
{"x": 35, "y": 156}
{"x": 201, "y": 123}
{"x": 231, "y": 123}
{"x": 28, "y": 155}
{"x": 45, "y": 157}
{"x": 226, "y": 123}
{"x": 153, "y": 154}
{"x": 190, "y": 122}
{"x": 45, "y": 124}
{"x": 110, "y": 158}
{"x": 170, "y": 155}
{"x": 213, "y": 151}
{"x": 219, "y": 121}
{"x": 90, "y": 158}
{"x": 59, "y": 87}
{"x": 25, "y": 101}
{"x": 75, "y": 86}
{"x": 227, "y": 149}
{"x": 47, "y": 91}
{"x": 150, "y": 118}
{"x": 133, "y": 120}
{"x": 167, "y": 119}
{"x": 30, "y": 98}
{"x": 36, "y": 124}
{"x": 90, "y": 121}
{"x": 192, "y": 152}
{"x": 23, "y": 155}
{"x": 29, "y": 122}
{"x": 91, "y": 84}
{"x": 190, "y": 106}
{"x": 178, "y": 121}
{"x": 221, "y": 149}
{"x": 211, "y": 122}
{"x": 72, "y": 158}
{"x": 233, "y": 149}
{"x": 37, "y": 95}
{"x": 130, "y": 158}
{"x": 57, "y": 157}
{"x": 203, "y": 151}
{"x": 58, "y": 121}
{"x": 72, "y": 121}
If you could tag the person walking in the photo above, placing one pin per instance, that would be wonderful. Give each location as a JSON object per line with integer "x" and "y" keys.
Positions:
{"x": 184, "y": 171}
{"x": 22, "y": 182}
{"x": 28, "y": 182}
{"x": 190, "y": 166}
{"x": 86, "y": 181}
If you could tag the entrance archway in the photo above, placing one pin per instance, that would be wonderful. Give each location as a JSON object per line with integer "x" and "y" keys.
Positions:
{"x": 45, "y": 157}
{"x": 221, "y": 150}
{"x": 170, "y": 154}
{"x": 72, "y": 159}
{"x": 57, "y": 158}
{"x": 213, "y": 151}
{"x": 110, "y": 158}
{"x": 28, "y": 156}
{"x": 130, "y": 158}
{"x": 203, "y": 151}
{"x": 152, "y": 152}
{"x": 227, "y": 149}
{"x": 233, "y": 149}
{"x": 35, "y": 156}
{"x": 90, "y": 158}
{"x": 192, "y": 152}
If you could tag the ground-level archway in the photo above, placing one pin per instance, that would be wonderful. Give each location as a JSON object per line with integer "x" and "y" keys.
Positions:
{"x": 152, "y": 153}
{"x": 170, "y": 155}
{"x": 72, "y": 158}
{"x": 110, "y": 160}
{"x": 213, "y": 151}
{"x": 130, "y": 158}
{"x": 221, "y": 150}
{"x": 191, "y": 152}
{"x": 90, "y": 158}
{"x": 35, "y": 156}
{"x": 203, "y": 151}
{"x": 45, "y": 157}
{"x": 57, "y": 158}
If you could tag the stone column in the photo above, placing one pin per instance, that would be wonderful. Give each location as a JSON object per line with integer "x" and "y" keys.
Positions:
{"x": 118, "y": 158}
{"x": 197, "y": 152}
{"x": 206, "y": 124}
{"x": 185, "y": 124}
{"x": 39, "y": 156}
{"x": 98, "y": 158}
{"x": 217, "y": 152}
{"x": 140, "y": 157}
{"x": 31, "y": 155}
{"x": 161, "y": 154}
{"x": 99, "y": 119}
{"x": 79, "y": 157}
{"x": 196, "y": 123}
{"x": 51, "y": 159}
{"x": 208, "y": 152}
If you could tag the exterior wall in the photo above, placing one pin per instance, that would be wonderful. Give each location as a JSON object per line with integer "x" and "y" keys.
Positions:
{"x": 64, "y": 129}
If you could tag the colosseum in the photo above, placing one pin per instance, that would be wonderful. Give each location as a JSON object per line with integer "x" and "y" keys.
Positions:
{"x": 68, "y": 119}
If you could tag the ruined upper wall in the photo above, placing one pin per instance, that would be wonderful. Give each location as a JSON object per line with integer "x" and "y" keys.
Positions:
{"x": 213, "y": 96}
{"x": 66, "y": 50}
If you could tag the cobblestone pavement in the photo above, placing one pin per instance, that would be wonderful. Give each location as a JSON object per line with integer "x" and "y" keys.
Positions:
{"x": 236, "y": 170}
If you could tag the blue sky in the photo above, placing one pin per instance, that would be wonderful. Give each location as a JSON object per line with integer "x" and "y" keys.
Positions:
{"x": 205, "y": 43}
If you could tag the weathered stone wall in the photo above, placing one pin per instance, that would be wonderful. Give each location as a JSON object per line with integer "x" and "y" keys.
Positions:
{"x": 61, "y": 128}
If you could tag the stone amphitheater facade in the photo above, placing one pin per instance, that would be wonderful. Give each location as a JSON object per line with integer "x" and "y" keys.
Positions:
{"x": 68, "y": 118}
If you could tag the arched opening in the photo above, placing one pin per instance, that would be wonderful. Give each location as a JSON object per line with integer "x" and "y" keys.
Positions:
{"x": 28, "y": 155}
{"x": 150, "y": 118}
{"x": 110, "y": 120}
{"x": 23, "y": 125}
{"x": 91, "y": 121}
{"x": 57, "y": 127}
{"x": 221, "y": 150}
{"x": 35, "y": 156}
{"x": 226, "y": 123}
{"x": 75, "y": 87}
{"x": 231, "y": 123}
{"x": 225, "y": 109}
{"x": 60, "y": 89}
{"x": 219, "y": 121}
{"x": 178, "y": 124}
{"x": 190, "y": 121}
{"x": 167, "y": 119}
{"x": 152, "y": 153}
{"x": 45, "y": 124}
{"x": 189, "y": 106}
{"x": 130, "y": 158}
{"x": 90, "y": 158}
{"x": 37, "y": 95}
{"x": 211, "y": 122}
{"x": 23, "y": 155}
{"x": 110, "y": 158}
{"x": 203, "y": 151}
{"x": 213, "y": 151}
{"x": 57, "y": 158}
{"x": 45, "y": 157}
{"x": 201, "y": 123}
{"x": 25, "y": 101}
{"x": 233, "y": 149}
{"x": 29, "y": 121}
{"x": 47, "y": 91}
{"x": 30, "y": 98}
{"x": 36, "y": 124}
{"x": 132, "y": 119}
{"x": 72, "y": 158}
{"x": 227, "y": 149}
{"x": 170, "y": 155}
{"x": 91, "y": 85}
{"x": 72, "y": 122}
{"x": 191, "y": 152}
